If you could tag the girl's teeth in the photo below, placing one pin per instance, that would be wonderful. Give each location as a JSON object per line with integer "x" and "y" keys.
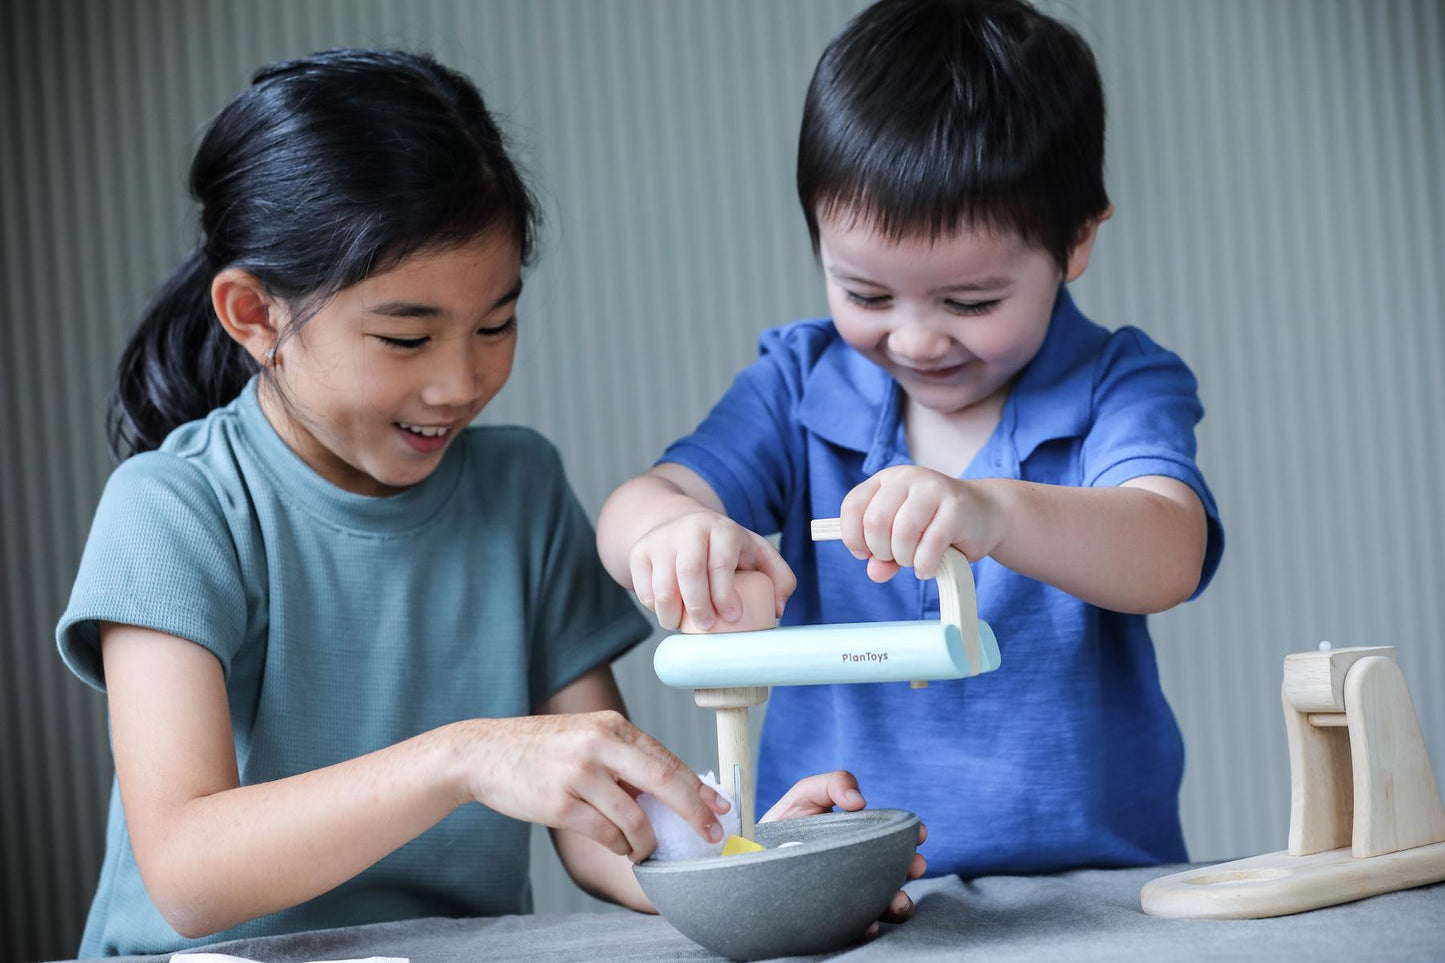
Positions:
{"x": 425, "y": 432}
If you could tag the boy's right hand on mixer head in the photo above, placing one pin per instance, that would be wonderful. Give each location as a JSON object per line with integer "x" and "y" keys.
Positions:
{"x": 583, "y": 772}
{"x": 687, "y": 565}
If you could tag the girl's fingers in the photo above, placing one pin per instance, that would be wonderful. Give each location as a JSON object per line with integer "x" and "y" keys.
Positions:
{"x": 641, "y": 567}
{"x": 645, "y": 763}
{"x": 917, "y": 867}
{"x": 900, "y": 909}
{"x": 818, "y": 794}
{"x": 623, "y": 812}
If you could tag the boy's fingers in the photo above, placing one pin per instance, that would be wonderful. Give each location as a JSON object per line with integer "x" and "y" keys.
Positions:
{"x": 900, "y": 909}
{"x": 880, "y": 571}
{"x": 917, "y": 867}
{"x": 909, "y": 525}
{"x": 693, "y": 587}
{"x": 722, "y": 559}
{"x": 642, "y": 580}
{"x": 878, "y": 520}
{"x": 666, "y": 600}
{"x": 850, "y": 516}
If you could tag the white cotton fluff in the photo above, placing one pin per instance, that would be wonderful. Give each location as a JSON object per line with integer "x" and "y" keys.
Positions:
{"x": 675, "y": 838}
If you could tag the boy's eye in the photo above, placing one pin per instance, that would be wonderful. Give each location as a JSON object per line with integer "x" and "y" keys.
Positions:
{"x": 402, "y": 344}
{"x": 500, "y": 329}
{"x": 972, "y": 307}
{"x": 865, "y": 301}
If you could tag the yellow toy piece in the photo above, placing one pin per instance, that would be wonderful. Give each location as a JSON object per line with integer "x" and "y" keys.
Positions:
{"x": 736, "y": 846}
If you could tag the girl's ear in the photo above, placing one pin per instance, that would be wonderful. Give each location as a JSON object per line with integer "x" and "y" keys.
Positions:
{"x": 247, "y": 312}
{"x": 1084, "y": 245}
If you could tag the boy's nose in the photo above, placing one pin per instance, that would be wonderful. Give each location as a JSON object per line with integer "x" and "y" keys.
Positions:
{"x": 916, "y": 341}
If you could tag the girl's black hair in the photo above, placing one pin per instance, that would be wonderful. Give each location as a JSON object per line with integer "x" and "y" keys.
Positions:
{"x": 927, "y": 115}
{"x": 326, "y": 170}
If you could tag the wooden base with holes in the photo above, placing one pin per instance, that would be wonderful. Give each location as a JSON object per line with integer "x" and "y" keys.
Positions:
{"x": 1365, "y": 813}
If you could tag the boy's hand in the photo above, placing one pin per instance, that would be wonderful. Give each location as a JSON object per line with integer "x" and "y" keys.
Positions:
{"x": 687, "y": 563}
{"x": 819, "y": 794}
{"x": 907, "y": 515}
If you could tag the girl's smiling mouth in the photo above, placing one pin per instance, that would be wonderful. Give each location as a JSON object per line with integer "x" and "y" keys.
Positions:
{"x": 424, "y": 438}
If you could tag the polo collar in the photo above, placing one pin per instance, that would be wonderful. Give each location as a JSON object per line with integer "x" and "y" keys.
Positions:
{"x": 851, "y": 402}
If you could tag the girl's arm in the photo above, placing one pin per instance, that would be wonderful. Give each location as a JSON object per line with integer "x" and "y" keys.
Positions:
{"x": 214, "y": 853}
{"x": 666, "y": 535}
{"x": 592, "y": 866}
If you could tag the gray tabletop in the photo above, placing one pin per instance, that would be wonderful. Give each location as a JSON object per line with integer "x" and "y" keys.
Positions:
{"x": 1083, "y": 915}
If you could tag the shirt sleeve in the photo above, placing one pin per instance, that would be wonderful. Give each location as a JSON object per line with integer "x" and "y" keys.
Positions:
{"x": 1145, "y": 406}
{"x": 745, "y": 448}
{"x": 160, "y": 555}
{"x": 584, "y": 618}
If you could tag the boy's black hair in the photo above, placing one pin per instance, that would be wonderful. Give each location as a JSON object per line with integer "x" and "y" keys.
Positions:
{"x": 325, "y": 171}
{"x": 925, "y": 116}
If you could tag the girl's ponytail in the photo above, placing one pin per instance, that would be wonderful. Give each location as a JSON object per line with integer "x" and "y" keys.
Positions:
{"x": 325, "y": 171}
{"x": 178, "y": 365}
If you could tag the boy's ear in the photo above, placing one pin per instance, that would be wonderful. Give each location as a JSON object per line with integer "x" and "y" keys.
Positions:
{"x": 1084, "y": 245}
{"x": 247, "y": 312}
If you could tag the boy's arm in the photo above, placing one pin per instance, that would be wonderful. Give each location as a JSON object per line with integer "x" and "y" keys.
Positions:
{"x": 666, "y": 535}
{"x": 1138, "y": 547}
{"x": 657, "y": 496}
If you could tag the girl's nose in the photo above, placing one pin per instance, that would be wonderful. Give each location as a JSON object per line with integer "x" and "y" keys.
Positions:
{"x": 456, "y": 381}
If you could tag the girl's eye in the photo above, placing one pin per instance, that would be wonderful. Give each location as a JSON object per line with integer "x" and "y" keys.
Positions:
{"x": 863, "y": 301}
{"x": 402, "y": 344}
{"x": 971, "y": 307}
{"x": 500, "y": 329}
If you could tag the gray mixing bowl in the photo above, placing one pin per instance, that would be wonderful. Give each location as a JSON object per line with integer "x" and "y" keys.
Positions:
{"x": 813, "y": 897}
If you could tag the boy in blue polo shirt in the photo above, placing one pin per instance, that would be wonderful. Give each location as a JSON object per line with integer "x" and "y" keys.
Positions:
{"x": 950, "y": 168}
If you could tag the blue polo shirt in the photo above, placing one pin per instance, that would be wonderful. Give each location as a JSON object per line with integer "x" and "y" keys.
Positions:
{"x": 1067, "y": 755}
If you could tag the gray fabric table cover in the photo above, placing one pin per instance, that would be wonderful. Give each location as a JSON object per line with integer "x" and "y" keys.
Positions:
{"x": 1082, "y": 915}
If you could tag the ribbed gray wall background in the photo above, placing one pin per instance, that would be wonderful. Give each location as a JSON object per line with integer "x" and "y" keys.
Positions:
{"x": 1276, "y": 172}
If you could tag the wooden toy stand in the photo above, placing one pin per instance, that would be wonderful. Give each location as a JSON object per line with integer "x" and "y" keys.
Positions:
{"x": 958, "y": 605}
{"x": 1365, "y": 814}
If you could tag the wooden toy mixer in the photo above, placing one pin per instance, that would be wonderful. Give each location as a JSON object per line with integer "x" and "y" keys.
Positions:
{"x": 1365, "y": 814}
{"x": 731, "y": 671}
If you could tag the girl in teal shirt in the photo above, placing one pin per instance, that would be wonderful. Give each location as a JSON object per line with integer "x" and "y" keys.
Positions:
{"x": 329, "y": 615}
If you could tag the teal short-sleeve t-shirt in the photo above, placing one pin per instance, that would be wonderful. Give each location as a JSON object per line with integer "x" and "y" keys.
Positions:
{"x": 344, "y": 623}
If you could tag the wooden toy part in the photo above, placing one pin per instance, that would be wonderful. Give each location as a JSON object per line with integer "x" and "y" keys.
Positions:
{"x": 957, "y": 602}
{"x": 734, "y": 749}
{"x": 760, "y": 607}
{"x": 1365, "y": 813}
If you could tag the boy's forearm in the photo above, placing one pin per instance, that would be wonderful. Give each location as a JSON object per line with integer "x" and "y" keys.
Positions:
{"x": 254, "y": 850}
{"x": 1123, "y": 548}
{"x": 634, "y": 509}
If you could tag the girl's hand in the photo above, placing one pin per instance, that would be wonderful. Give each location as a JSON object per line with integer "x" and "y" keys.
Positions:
{"x": 686, "y": 565}
{"x": 819, "y": 794}
{"x": 582, "y": 772}
{"x": 908, "y": 515}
